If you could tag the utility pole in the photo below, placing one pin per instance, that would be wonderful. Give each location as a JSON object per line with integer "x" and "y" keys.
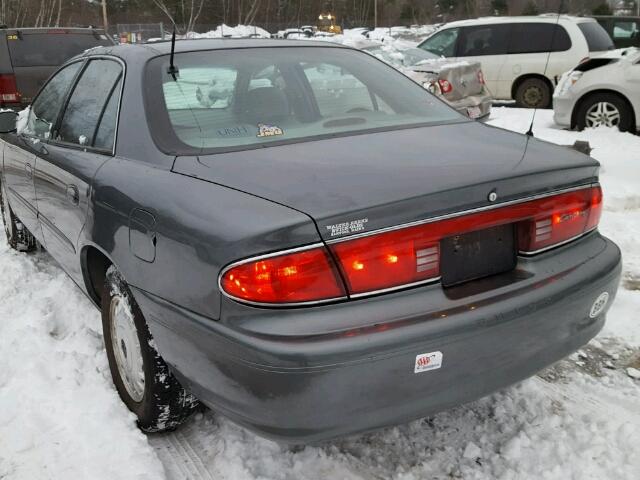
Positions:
{"x": 375, "y": 13}
{"x": 105, "y": 20}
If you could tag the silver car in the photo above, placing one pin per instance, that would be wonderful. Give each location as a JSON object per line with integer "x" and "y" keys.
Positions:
{"x": 601, "y": 91}
{"x": 459, "y": 83}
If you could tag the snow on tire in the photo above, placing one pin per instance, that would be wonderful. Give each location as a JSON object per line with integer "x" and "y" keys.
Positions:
{"x": 142, "y": 378}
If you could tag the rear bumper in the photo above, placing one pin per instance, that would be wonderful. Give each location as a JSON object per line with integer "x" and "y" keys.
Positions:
{"x": 563, "y": 110}
{"x": 482, "y": 102}
{"x": 271, "y": 371}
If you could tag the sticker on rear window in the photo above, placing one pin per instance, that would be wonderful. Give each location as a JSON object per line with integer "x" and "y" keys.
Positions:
{"x": 265, "y": 130}
{"x": 428, "y": 361}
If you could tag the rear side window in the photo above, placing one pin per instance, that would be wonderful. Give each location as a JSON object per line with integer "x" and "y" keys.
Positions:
{"x": 483, "y": 40}
{"x": 50, "y": 49}
{"x": 45, "y": 109}
{"x": 597, "y": 37}
{"x": 538, "y": 38}
{"x": 89, "y": 102}
{"x": 442, "y": 43}
{"x": 626, "y": 29}
{"x": 224, "y": 100}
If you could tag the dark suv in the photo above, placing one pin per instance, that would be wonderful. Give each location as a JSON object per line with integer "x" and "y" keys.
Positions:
{"x": 28, "y": 56}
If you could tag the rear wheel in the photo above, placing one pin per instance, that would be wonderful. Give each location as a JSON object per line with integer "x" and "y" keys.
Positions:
{"x": 18, "y": 237}
{"x": 533, "y": 93}
{"x": 142, "y": 378}
{"x": 604, "y": 109}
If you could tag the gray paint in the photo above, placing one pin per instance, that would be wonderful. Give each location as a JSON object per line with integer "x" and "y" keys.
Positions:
{"x": 306, "y": 374}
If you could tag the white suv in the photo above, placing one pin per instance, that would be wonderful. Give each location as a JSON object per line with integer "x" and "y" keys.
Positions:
{"x": 514, "y": 51}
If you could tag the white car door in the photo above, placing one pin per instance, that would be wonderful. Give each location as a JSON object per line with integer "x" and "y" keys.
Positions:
{"x": 487, "y": 44}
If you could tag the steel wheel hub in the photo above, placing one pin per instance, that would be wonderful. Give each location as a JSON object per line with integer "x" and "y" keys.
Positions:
{"x": 126, "y": 348}
{"x": 533, "y": 96}
{"x": 602, "y": 113}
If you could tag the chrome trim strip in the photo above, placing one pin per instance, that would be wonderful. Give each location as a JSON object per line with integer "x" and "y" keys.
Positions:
{"x": 398, "y": 287}
{"x": 270, "y": 255}
{"x": 460, "y": 214}
{"x": 555, "y": 245}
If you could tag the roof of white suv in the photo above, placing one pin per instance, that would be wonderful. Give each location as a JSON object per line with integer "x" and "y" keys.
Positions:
{"x": 544, "y": 18}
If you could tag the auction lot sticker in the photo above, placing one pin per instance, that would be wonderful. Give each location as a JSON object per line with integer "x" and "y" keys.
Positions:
{"x": 428, "y": 361}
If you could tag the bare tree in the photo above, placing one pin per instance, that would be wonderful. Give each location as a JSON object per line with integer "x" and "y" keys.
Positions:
{"x": 190, "y": 11}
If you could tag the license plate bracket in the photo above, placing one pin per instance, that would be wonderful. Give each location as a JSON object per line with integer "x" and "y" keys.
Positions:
{"x": 477, "y": 254}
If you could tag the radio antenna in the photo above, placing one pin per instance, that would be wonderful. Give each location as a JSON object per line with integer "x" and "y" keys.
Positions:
{"x": 173, "y": 70}
{"x": 546, "y": 65}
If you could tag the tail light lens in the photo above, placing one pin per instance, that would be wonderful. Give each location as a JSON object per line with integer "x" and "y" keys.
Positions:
{"x": 412, "y": 255}
{"x": 404, "y": 256}
{"x": 297, "y": 277}
{"x": 9, "y": 89}
{"x": 445, "y": 85}
{"x": 480, "y": 77}
{"x": 560, "y": 219}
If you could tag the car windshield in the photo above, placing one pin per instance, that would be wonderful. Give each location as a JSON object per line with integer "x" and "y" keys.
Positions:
{"x": 406, "y": 57}
{"x": 234, "y": 99}
{"x": 51, "y": 48}
{"x": 597, "y": 37}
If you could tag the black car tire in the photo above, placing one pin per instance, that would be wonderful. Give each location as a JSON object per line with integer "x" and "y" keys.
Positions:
{"x": 164, "y": 403}
{"x": 625, "y": 122}
{"x": 18, "y": 236}
{"x": 533, "y": 93}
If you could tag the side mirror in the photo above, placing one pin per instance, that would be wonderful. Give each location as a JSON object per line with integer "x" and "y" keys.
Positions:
{"x": 8, "y": 119}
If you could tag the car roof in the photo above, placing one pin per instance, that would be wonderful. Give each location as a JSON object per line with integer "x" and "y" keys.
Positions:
{"x": 129, "y": 52}
{"x": 544, "y": 18}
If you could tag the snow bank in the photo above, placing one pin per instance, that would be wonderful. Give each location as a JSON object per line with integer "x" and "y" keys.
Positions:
{"x": 60, "y": 416}
{"x": 239, "y": 31}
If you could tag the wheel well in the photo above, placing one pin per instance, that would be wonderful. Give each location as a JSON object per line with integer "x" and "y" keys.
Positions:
{"x": 95, "y": 265}
{"x": 519, "y": 80}
{"x": 587, "y": 95}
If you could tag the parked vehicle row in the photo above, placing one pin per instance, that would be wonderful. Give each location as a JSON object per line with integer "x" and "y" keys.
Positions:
{"x": 299, "y": 236}
{"x": 522, "y": 57}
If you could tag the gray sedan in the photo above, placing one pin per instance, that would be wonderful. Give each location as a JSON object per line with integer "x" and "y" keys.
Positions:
{"x": 300, "y": 237}
{"x": 459, "y": 83}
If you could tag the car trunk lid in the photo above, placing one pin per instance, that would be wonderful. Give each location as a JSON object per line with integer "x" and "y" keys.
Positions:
{"x": 366, "y": 182}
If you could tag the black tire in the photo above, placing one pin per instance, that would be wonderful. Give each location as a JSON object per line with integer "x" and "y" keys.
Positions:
{"x": 164, "y": 404}
{"x": 18, "y": 237}
{"x": 533, "y": 93}
{"x": 625, "y": 121}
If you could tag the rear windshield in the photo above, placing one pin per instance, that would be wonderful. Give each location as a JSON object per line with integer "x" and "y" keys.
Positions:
{"x": 50, "y": 49}
{"x": 239, "y": 98}
{"x": 597, "y": 37}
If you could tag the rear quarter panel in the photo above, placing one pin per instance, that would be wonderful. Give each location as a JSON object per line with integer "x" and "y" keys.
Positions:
{"x": 199, "y": 228}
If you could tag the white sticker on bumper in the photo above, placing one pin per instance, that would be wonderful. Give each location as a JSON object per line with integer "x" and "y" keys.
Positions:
{"x": 428, "y": 361}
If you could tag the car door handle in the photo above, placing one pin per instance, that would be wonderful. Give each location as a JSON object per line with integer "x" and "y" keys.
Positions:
{"x": 28, "y": 170}
{"x": 72, "y": 194}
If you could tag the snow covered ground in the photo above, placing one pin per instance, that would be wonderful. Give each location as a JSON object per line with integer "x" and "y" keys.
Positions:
{"x": 60, "y": 416}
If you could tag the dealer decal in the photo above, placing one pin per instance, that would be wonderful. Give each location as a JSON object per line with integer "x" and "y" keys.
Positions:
{"x": 353, "y": 226}
{"x": 265, "y": 130}
{"x": 427, "y": 361}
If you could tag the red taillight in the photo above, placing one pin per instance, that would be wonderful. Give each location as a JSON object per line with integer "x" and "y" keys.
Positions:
{"x": 480, "y": 77}
{"x": 412, "y": 254}
{"x": 407, "y": 255}
{"x": 8, "y": 89}
{"x": 445, "y": 85}
{"x": 297, "y": 277}
{"x": 561, "y": 218}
